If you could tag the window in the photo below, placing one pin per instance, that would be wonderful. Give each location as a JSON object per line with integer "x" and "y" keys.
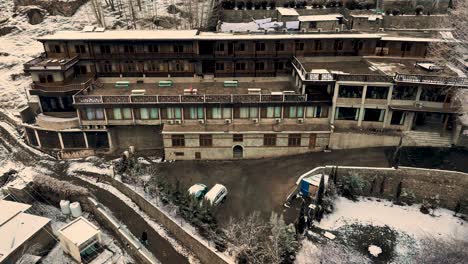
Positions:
{"x": 279, "y": 65}
{"x": 153, "y": 48}
{"x": 240, "y": 47}
{"x": 358, "y": 44}
{"x": 178, "y": 48}
{"x": 56, "y": 49}
{"x": 240, "y": 66}
{"x": 377, "y": 92}
{"x": 347, "y": 91}
{"x": 398, "y": 118}
{"x": 299, "y": 46}
{"x": 153, "y": 66}
{"x": 271, "y": 112}
{"x": 220, "y": 66}
{"x": 294, "y": 140}
{"x": 149, "y": 113}
{"x": 318, "y": 45}
{"x": 122, "y": 113}
{"x": 237, "y": 137}
{"x": 432, "y": 94}
{"x": 374, "y": 115}
{"x": 129, "y": 66}
{"x": 80, "y": 49}
{"x": 404, "y": 93}
{"x": 172, "y": 113}
{"x": 220, "y": 47}
{"x": 259, "y": 66}
{"x": 279, "y": 46}
{"x": 269, "y": 140}
{"x": 105, "y": 49}
{"x": 312, "y": 25}
{"x": 129, "y": 49}
{"x": 347, "y": 113}
{"x": 206, "y": 140}
{"x": 294, "y": 112}
{"x": 312, "y": 140}
{"x": 317, "y": 111}
{"x": 194, "y": 112}
{"x": 178, "y": 140}
{"x": 338, "y": 45}
{"x": 219, "y": 112}
{"x": 107, "y": 67}
{"x": 260, "y": 46}
{"x": 246, "y": 112}
{"x": 94, "y": 114}
{"x": 406, "y": 46}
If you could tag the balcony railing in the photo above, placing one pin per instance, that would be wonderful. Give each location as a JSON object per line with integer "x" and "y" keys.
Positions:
{"x": 212, "y": 98}
{"x": 412, "y": 78}
{"x": 42, "y": 62}
{"x": 364, "y": 78}
{"x": 50, "y": 87}
{"x": 144, "y": 55}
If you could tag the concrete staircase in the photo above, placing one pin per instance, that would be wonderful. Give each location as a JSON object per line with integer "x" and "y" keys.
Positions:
{"x": 426, "y": 139}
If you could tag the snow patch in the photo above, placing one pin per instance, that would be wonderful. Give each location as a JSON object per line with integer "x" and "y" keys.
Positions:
{"x": 374, "y": 250}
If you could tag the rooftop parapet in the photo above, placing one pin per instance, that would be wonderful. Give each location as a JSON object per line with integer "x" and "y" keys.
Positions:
{"x": 43, "y": 63}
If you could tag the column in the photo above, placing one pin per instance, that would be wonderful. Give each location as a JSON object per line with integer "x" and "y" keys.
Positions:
{"x": 418, "y": 93}
{"x": 333, "y": 110}
{"x": 109, "y": 138}
{"x": 60, "y": 140}
{"x": 361, "y": 109}
{"x": 387, "y": 108}
{"x": 37, "y": 137}
{"x": 86, "y": 140}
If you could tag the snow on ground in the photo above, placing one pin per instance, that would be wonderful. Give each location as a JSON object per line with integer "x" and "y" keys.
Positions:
{"x": 20, "y": 46}
{"x": 407, "y": 219}
{"x": 156, "y": 226}
{"x": 77, "y": 167}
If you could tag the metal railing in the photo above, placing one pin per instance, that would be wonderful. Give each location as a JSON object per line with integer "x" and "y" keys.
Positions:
{"x": 211, "y": 98}
{"x": 63, "y": 63}
{"x": 62, "y": 87}
{"x": 428, "y": 79}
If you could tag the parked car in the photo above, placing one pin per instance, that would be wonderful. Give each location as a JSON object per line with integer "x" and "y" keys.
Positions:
{"x": 217, "y": 194}
{"x": 198, "y": 190}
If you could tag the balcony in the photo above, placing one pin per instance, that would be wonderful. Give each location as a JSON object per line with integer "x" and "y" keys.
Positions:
{"x": 144, "y": 55}
{"x": 42, "y": 63}
{"x": 72, "y": 86}
{"x": 57, "y": 120}
{"x": 432, "y": 80}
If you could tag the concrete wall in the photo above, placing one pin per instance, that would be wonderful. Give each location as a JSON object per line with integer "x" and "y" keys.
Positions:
{"x": 349, "y": 140}
{"x": 253, "y": 147}
{"x": 451, "y": 186}
{"x": 141, "y": 137}
{"x": 419, "y": 22}
{"x": 409, "y": 6}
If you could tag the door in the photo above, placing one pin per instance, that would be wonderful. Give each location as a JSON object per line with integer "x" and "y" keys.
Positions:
{"x": 238, "y": 152}
{"x": 312, "y": 141}
{"x": 208, "y": 67}
{"x": 304, "y": 188}
{"x": 230, "y": 48}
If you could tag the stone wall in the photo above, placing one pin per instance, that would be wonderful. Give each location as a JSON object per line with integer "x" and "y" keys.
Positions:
{"x": 419, "y": 22}
{"x": 450, "y": 186}
{"x": 194, "y": 244}
{"x": 54, "y": 7}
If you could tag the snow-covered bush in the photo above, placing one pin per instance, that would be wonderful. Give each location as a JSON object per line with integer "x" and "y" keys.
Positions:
{"x": 63, "y": 189}
{"x": 352, "y": 186}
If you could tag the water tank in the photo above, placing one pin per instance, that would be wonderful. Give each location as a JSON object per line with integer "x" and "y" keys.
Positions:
{"x": 65, "y": 206}
{"x": 75, "y": 209}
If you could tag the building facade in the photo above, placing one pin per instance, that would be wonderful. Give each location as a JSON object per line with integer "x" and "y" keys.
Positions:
{"x": 203, "y": 95}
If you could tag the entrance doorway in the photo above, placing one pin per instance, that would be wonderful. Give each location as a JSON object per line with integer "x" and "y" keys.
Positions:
{"x": 238, "y": 152}
{"x": 432, "y": 122}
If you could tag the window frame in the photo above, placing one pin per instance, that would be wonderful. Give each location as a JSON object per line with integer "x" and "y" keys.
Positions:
{"x": 269, "y": 140}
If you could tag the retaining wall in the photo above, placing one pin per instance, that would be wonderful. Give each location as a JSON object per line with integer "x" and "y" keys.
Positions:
{"x": 199, "y": 248}
{"x": 450, "y": 186}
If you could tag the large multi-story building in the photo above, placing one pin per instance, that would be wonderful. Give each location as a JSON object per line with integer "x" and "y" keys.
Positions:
{"x": 204, "y": 95}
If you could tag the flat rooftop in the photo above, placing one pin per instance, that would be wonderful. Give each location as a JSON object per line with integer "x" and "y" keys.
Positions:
{"x": 79, "y": 231}
{"x": 151, "y": 88}
{"x": 341, "y": 65}
{"x": 16, "y": 227}
{"x": 378, "y": 66}
{"x": 391, "y": 66}
{"x": 330, "y": 17}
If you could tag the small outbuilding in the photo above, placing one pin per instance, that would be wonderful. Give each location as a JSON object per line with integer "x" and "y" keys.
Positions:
{"x": 286, "y": 14}
{"x": 310, "y": 184}
{"x": 80, "y": 239}
{"x": 330, "y": 22}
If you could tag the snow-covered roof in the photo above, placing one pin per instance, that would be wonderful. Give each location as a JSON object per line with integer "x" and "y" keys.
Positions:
{"x": 231, "y": 36}
{"x": 79, "y": 231}
{"x": 16, "y": 227}
{"x": 123, "y": 35}
{"x": 315, "y": 179}
{"x": 369, "y": 17}
{"x": 287, "y": 11}
{"x": 331, "y": 17}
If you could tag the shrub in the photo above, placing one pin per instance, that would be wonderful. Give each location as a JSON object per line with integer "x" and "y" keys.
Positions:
{"x": 63, "y": 189}
{"x": 352, "y": 186}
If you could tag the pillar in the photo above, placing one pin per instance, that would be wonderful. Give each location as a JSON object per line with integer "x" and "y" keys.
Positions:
{"x": 86, "y": 140}
{"x": 60, "y": 140}
{"x": 109, "y": 138}
{"x": 361, "y": 108}
{"x": 333, "y": 110}
{"x": 37, "y": 137}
